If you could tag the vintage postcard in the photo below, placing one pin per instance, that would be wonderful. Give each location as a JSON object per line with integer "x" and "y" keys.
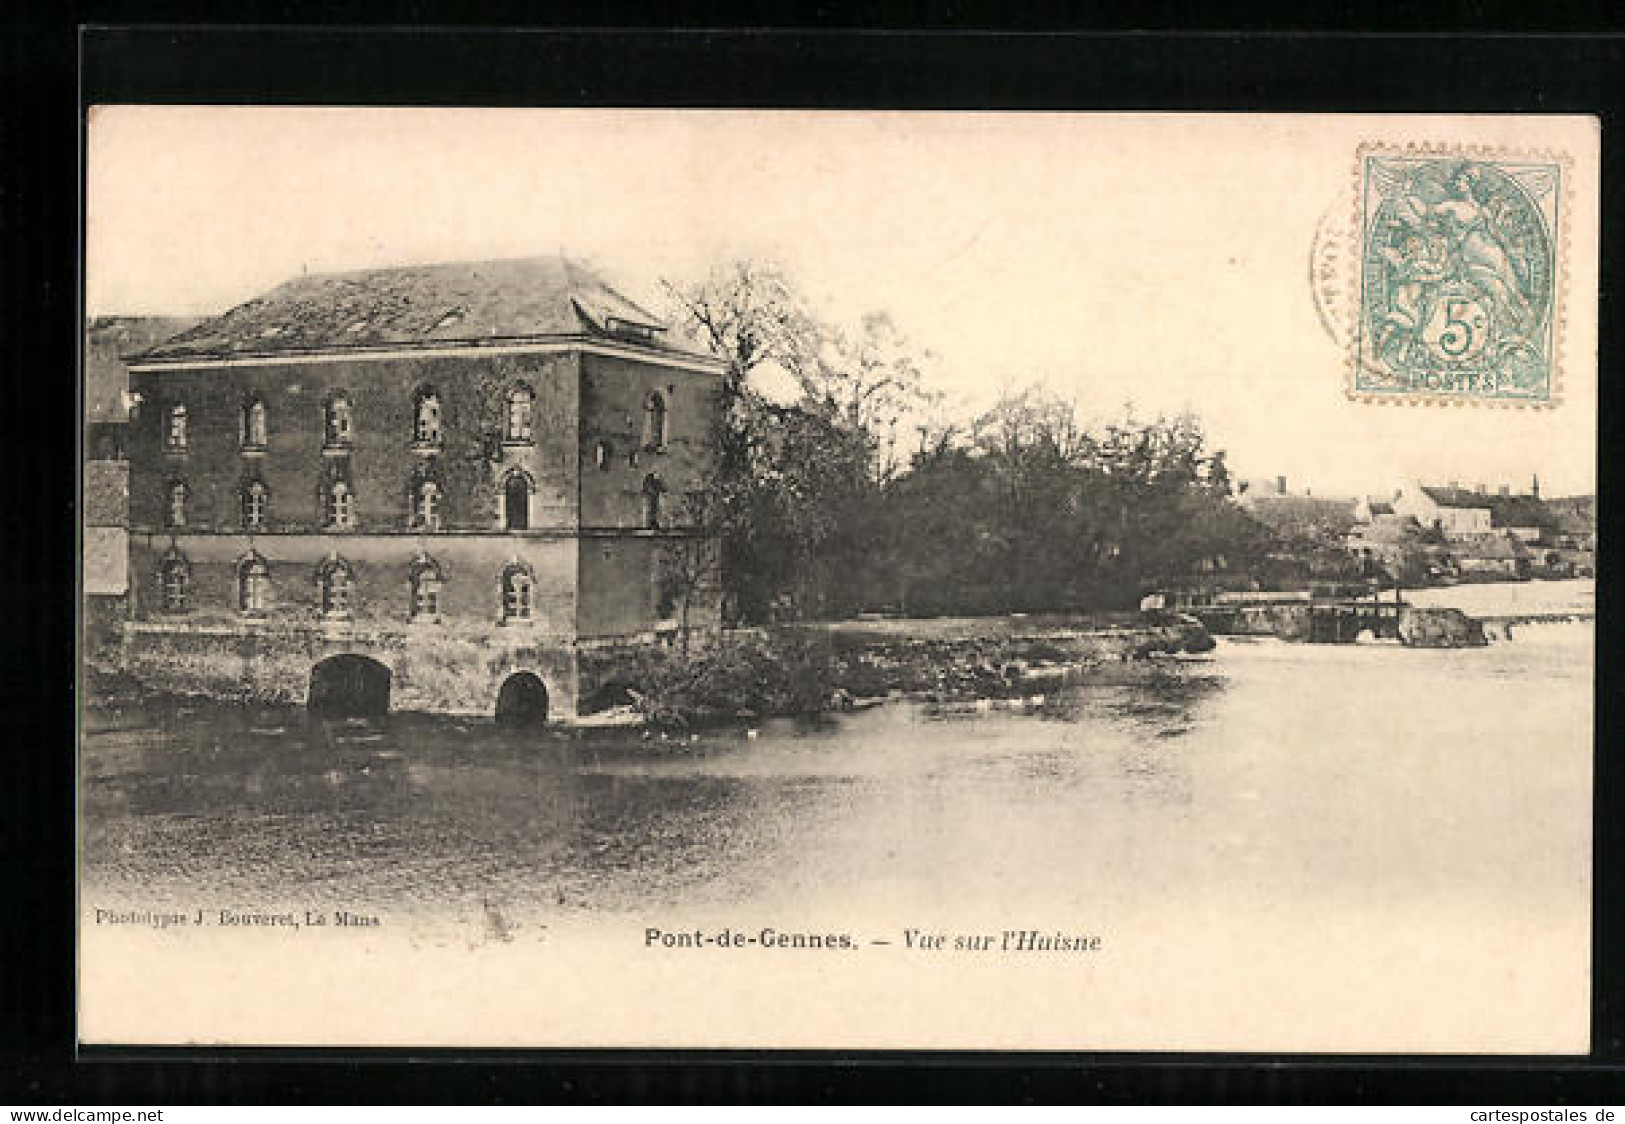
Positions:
{"x": 1040, "y": 581}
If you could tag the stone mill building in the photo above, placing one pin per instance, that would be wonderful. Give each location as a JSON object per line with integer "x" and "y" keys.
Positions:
{"x": 446, "y": 488}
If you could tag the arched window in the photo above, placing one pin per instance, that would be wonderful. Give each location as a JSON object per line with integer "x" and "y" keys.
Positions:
{"x": 426, "y": 583}
{"x": 516, "y": 502}
{"x": 426, "y": 505}
{"x": 339, "y": 422}
{"x": 175, "y": 435}
{"x": 178, "y": 495}
{"x": 518, "y": 594}
{"x": 254, "y": 426}
{"x": 521, "y": 414}
{"x": 174, "y": 582}
{"x": 255, "y": 503}
{"x": 653, "y": 489}
{"x": 654, "y": 421}
{"x": 334, "y": 582}
{"x": 340, "y": 506}
{"x": 253, "y": 585}
{"x": 603, "y": 455}
{"x": 426, "y": 417}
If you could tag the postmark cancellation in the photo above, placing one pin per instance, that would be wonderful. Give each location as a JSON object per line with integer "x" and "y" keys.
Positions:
{"x": 1458, "y": 275}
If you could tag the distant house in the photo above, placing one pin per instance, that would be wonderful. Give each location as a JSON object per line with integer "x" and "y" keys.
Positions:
{"x": 1496, "y": 554}
{"x": 1574, "y": 541}
{"x": 1297, "y": 515}
{"x": 1461, "y": 511}
{"x": 1368, "y": 510}
{"x": 105, "y": 496}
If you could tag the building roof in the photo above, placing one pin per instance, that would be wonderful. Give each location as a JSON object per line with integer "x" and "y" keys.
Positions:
{"x": 1278, "y": 511}
{"x": 416, "y": 306}
{"x": 107, "y": 340}
{"x": 1505, "y": 511}
{"x": 1379, "y": 507}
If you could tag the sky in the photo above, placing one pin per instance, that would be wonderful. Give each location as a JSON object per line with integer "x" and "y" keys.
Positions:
{"x": 1161, "y": 260}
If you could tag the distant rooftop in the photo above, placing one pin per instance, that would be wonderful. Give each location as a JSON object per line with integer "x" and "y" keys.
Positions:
{"x": 420, "y": 305}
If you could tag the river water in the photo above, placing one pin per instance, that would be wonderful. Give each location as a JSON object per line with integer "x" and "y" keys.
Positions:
{"x": 1266, "y": 781}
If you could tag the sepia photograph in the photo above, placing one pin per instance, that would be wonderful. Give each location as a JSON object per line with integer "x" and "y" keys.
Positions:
{"x": 837, "y": 580}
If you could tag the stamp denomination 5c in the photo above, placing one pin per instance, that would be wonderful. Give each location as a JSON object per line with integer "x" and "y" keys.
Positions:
{"x": 1458, "y": 277}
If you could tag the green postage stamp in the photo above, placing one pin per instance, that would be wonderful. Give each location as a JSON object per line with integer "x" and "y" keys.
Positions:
{"x": 1458, "y": 276}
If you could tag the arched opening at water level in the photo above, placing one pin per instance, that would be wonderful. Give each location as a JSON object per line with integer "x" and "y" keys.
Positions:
{"x": 349, "y": 687}
{"x": 522, "y": 701}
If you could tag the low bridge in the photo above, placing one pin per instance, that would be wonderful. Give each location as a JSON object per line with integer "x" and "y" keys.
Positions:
{"x": 1341, "y": 622}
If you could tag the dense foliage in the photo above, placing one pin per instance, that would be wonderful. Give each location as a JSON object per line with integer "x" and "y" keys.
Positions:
{"x": 824, "y": 510}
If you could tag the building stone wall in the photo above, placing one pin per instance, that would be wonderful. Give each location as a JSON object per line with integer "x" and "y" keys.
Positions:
{"x": 470, "y": 465}
{"x": 603, "y": 583}
{"x": 614, "y": 392}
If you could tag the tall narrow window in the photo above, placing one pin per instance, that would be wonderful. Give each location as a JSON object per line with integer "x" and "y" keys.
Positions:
{"x": 253, "y": 585}
{"x": 652, "y": 491}
{"x": 518, "y": 594}
{"x": 254, "y": 427}
{"x": 426, "y": 583}
{"x": 334, "y": 583}
{"x": 340, "y": 502}
{"x": 516, "y": 502}
{"x": 603, "y": 456}
{"x": 426, "y": 418}
{"x": 254, "y": 505}
{"x": 339, "y": 424}
{"x": 178, "y": 495}
{"x": 521, "y": 414}
{"x": 173, "y": 581}
{"x": 175, "y": 435}
{"x": 426, "y": 506}
{"x": 654, "y": 421}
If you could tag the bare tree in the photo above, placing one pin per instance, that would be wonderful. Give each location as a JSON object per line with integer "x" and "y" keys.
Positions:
{"x": 691, "y": 562}
{"x": 749, "y": 314}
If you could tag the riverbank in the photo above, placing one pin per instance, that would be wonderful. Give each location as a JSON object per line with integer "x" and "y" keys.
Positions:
{"x": 848, "y": 665}
{"x": 818, "y": 667}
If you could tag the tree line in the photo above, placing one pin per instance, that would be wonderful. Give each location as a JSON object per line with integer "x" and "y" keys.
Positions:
{"x": 859, "y": 495}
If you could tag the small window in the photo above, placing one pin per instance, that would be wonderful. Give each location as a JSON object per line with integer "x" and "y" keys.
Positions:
{"x": 175, "y": 435}
{"x": 426, "y": 583}
{"x": 174, "y": 580}
{"x": 254, "y": 424}
{"x": 653, "y": 489}
{"x": 603, "y": 456}
{"x": 518, "y": 594}
{"x": 334, "y": 584}
{"x": 654, "y": 421}
{"x": 254, "y": 505}
{"x": 339, "y": 424}
{"x": 178, "y": 495}
{"x": 521, "y": 414}
{"x": 426, "y": 418}
{"x": 426, "y": 506}
{"x": 340, "y": 512}
{"x": 253, "y": 585}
